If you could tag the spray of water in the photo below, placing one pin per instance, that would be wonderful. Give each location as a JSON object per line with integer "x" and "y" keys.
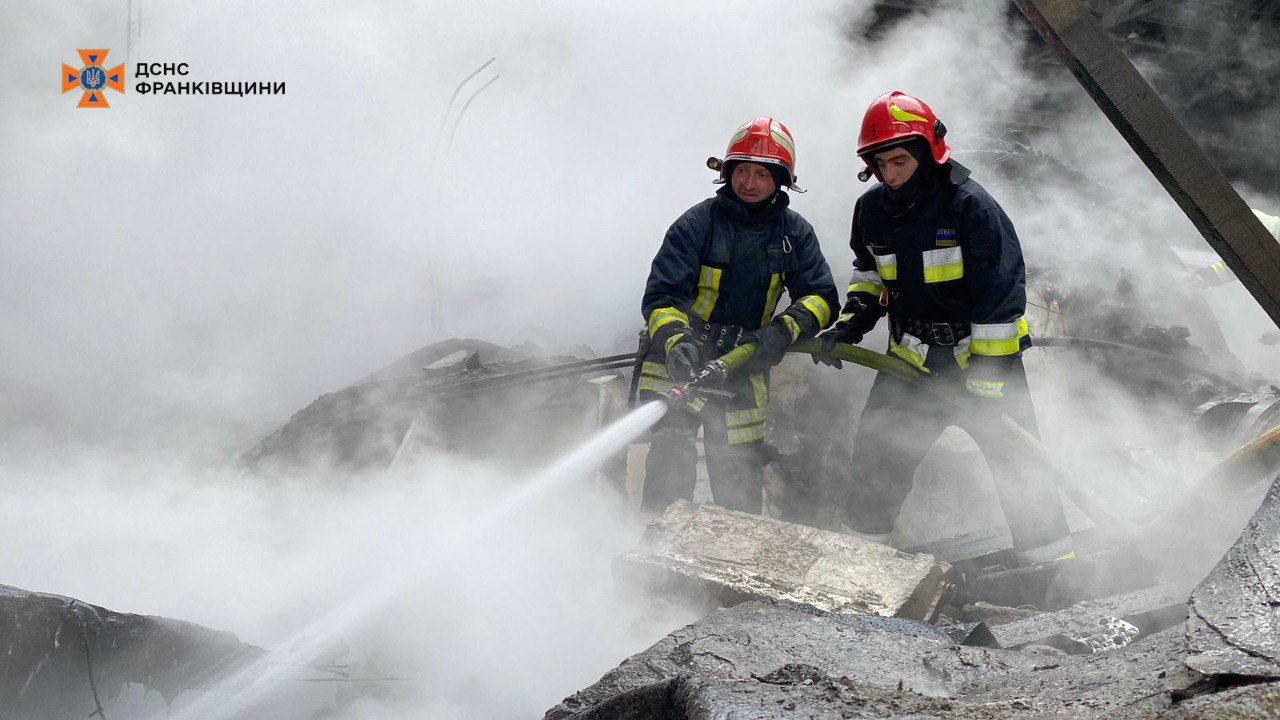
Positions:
{"x": 239, "y": 692}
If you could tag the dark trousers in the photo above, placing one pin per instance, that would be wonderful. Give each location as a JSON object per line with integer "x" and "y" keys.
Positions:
{"x": 736, "y": 472}
{"x": 901, "y": 422}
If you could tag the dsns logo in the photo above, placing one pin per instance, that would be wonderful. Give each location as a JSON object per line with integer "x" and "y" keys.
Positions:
{"x": 92, "y": 78}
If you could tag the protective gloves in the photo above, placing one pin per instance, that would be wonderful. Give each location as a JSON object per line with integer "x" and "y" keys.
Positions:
{"x": 840, "y": 333}
{"x": 684, "y": 359}
{"x": 772, "y": 342}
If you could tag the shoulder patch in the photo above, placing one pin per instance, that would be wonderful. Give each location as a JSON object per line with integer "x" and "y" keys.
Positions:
{"x": 946, "y": 237}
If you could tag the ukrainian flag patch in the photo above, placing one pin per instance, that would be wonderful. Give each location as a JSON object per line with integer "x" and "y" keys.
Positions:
{"x": 946, "y": 237}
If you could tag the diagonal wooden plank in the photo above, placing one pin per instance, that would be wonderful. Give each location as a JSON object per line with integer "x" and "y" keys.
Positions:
{"x": 1147, "y": 124}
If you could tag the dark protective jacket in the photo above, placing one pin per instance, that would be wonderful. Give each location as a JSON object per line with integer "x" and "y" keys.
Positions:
{"x": 951, "y": 259}
{"x": 722, "y": 265}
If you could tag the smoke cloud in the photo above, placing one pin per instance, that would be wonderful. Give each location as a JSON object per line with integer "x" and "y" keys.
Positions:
{"x": 179, "y": 274}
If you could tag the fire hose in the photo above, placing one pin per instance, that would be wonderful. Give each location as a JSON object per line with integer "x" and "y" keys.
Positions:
{"x": 978, "y": 425}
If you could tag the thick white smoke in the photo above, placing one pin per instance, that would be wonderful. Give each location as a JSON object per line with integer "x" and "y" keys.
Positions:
{"x": 179, "y": 274}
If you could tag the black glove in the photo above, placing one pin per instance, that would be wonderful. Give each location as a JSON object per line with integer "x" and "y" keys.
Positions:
{"x": 772, "y": 342}
{"x": 841, "y": 333}
{"x": 684, "y": 359}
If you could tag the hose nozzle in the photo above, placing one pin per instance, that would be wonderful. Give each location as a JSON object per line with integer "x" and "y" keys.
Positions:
{"x": 710, "y": 374}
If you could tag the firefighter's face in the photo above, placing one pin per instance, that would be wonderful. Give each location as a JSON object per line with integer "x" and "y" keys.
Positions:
{"x": 752, "y": 182}
{"x": 896, "y": 166}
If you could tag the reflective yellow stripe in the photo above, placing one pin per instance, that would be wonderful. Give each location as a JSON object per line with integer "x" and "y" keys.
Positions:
{"x": 739, "y": 418}
{"x": 761, "y": 390}
{"x": 697, "y": 404}
{"x": 708, "y": 291}
{"x": 962, "y": 353}
{"x": 902, "y": 115}
{"x": 866, "y": 281}
{"x": 819, "y": 307}
{"x": 653, "y": 376}
{"x": 654, "y": 384}
{"x": 887, "y": 265}
{"x": 912, "y": 349}
{"x": 792, "y": 326}
{"x": 771, "y": 298}
{"x": 672, "y": 341}
{"x": 984, "y": 388}
{"x": 998, "y": 339}
{"x": 739, "y": 436}
{"x": 943, "y": 264}
{"x": 782, "y": 139}
{"x": 663, "y": 315}
{"x": 655, "y": 369}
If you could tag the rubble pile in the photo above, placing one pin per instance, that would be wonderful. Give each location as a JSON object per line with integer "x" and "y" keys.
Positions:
{"x": 428, "y": 399}
{"x": 63, "y": 658}
{"x": 1175, "y": 650}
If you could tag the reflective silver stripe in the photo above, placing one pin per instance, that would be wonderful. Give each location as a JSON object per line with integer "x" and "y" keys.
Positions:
{"x": 870, "y": 276}
{"x": 867, "y": 281}
{"x": 943, "y": 264}
{"x": 792, "y": 327}
{"x": 708, "y": 291}
{"x": 819, "y": 308}
{"x": 961, "y": 351}
{"x": 998, "y": 339}
{"x": 984, "y": 388}
{"x": 887, "y": 265}
{"x": 912, "y": 349}
{"x": 998, "y": 331}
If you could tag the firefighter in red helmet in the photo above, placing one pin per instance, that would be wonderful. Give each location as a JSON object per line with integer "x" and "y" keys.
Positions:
{"x": 714, "y": 284}
{"x": 936, "y": 253}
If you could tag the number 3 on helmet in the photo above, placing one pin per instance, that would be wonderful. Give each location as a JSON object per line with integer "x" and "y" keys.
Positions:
{"x": 896, "y": 117}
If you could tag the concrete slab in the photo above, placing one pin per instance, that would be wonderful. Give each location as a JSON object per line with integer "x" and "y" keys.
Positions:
{"x": 1234, "y": 628}
{"x": 1100, "y": 625}
{"x": 757, "y": 640}
{"x": 706, "y": 552}
{"x": 49, "y": 645}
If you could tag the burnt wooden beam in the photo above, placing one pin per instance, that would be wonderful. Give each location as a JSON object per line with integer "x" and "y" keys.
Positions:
{"x": 1150, "y": 128}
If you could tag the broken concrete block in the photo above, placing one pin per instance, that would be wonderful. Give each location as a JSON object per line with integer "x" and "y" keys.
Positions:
{"x": 994, "y": 615}
{"x": 793, "y": 691}
{"x": 50, "y": 643}
{"x": 705, "y": 551}
{"x": 1129, "y": 682}
{"x": 1252, "y": 702}
{"x": 1234, "y": 627}
{"x": 1099, "y": 625}
{"x": 755, "y": 640}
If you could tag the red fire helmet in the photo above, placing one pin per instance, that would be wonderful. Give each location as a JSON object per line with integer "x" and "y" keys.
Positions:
{"x": 895, "y": 118}
{"x": 763, "y": 140}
